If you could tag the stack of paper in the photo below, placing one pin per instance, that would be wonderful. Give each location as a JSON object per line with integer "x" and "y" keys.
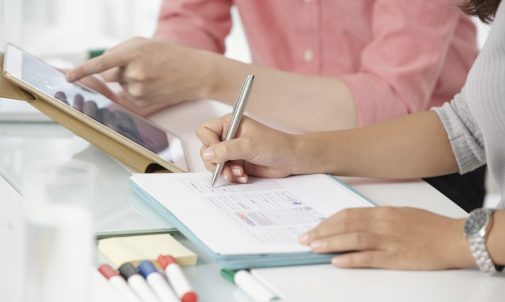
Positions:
{"x": 135, "y": 249}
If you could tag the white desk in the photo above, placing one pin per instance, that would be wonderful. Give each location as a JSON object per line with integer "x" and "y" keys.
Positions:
{"x": 119, "y": 210}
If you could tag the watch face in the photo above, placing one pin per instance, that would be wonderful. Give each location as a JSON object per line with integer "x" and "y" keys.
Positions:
{"x": 476, "y": 221}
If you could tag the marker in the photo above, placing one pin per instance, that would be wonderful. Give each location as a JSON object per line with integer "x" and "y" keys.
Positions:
{"x": 118, "y": 283}
{"x": 250, "y": 285}
{"x": 177, "y": 279}
{"x": 137, "y": 283}
{"x": 157, "y": 282}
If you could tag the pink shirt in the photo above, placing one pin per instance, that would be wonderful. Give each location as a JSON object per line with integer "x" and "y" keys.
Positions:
{"x": 396, "y": 56}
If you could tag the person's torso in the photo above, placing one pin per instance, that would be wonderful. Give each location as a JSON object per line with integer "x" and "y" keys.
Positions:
{"x": 485, "y": 95}
{"x": 327, "y": 38}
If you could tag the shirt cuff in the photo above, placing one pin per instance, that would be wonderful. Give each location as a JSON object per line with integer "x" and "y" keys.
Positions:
{"x": 469, "y": 155}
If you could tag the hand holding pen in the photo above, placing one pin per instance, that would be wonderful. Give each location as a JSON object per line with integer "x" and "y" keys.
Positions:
{"x": 238, "y": 112}
{"x": 256, "y": 151}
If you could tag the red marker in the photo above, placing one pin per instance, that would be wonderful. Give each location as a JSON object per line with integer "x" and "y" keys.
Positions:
{"x": 177, "y": 279}
{"x": 118, "y": 283}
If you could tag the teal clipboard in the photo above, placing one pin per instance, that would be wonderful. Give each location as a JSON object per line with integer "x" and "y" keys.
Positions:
{"x": 236, "y": 262}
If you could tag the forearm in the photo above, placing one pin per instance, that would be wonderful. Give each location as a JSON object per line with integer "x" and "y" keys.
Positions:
{"x": 305, "y": 103}
{"x": 413, "y": 146}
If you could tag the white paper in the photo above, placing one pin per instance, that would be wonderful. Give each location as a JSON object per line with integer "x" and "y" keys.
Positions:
{"x": 263, "y": 216}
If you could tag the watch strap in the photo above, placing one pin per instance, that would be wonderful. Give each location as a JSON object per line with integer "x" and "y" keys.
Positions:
{"x": 481, "y": 255}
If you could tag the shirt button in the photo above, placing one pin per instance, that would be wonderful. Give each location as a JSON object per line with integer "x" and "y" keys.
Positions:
{"x": 308, "y": 55}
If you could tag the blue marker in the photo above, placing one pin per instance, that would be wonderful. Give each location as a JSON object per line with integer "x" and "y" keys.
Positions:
{"x": 137, "y": 283}
{"x": 157, "y": 282}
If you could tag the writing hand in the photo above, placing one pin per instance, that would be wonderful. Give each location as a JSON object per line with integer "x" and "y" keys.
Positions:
{"x": 257, "y": 151}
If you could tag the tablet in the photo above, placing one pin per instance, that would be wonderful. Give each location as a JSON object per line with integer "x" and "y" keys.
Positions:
{"x": 95, "y": 109}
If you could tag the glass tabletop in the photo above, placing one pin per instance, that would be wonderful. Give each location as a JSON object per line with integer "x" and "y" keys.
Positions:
{"x": 118, "y": 210}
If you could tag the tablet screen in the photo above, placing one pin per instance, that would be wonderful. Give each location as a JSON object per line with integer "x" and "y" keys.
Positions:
{"x": 52, "y": 82}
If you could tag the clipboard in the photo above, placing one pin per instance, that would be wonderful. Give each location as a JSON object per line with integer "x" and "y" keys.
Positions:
{"x": 139, "y": 161}
{"x": 194, "y": 198}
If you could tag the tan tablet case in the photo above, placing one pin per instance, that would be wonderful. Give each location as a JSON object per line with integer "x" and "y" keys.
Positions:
{"x": 112, "y": 146}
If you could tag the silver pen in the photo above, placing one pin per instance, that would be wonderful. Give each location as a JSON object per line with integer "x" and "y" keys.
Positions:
{"x": 238, "y": 112}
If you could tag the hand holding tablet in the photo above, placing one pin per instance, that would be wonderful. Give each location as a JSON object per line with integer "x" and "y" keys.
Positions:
{"x": 94, "y": 109}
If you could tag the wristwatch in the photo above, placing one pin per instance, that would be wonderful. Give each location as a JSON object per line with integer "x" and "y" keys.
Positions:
{"x": 477, "y": 227}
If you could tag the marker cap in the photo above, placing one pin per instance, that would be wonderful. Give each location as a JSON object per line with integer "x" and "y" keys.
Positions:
{"x": 107, "y": 271}
{"x": 146, "y": 268}
{"x": 189, "y": 297}
{"x": 165, "y": 260}
{"x": 127, "y": 270}
{"x": 228, "y": 275}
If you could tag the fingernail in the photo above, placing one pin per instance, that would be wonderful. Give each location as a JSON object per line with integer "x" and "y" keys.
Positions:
{"x": 316, "y": 244}
{"x": 304, "y": 239}
{"x": 338, "y": 261}
{"x": 242, "y": 179}
{"x": 70, "y": 76}
{"x": 208, "y": 154}
{"x": 237, "y": 171}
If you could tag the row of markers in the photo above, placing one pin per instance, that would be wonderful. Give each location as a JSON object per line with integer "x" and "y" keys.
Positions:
{"x": 146, "y": 284}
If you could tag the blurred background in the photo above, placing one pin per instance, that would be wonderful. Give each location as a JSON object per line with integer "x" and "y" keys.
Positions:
{"x": 64, "y": 32}
{"x": 68, "y": 29}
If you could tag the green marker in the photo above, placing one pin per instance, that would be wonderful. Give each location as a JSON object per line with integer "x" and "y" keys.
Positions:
{"x": 228, "y": 275}
{"x": 250, "y": 285}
